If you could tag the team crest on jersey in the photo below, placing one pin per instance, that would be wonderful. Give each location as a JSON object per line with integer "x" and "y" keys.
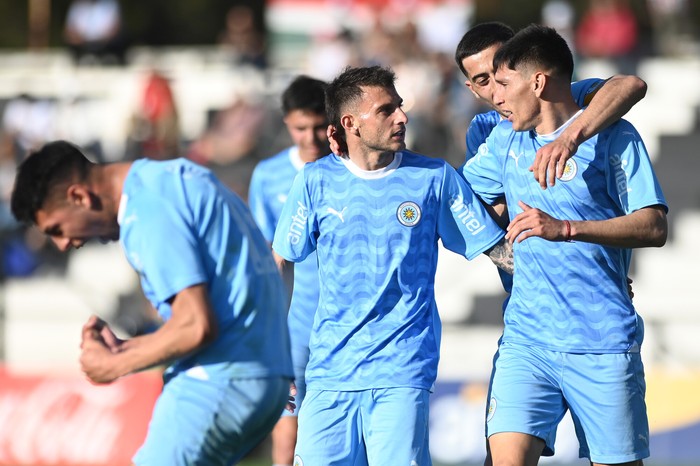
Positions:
{"x": 570, "y": 170}
{"x": 492, "y": 409}
{"x": 298, "y": 461}
{"x": 409, "y": 214}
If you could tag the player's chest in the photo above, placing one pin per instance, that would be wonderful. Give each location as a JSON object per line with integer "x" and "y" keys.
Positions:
{"x": 380, "y": 214}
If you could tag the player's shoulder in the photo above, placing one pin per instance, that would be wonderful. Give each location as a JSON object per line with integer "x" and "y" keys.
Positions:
{"x": 483, "y": 124}
{"x": 274, "y": 162}
{"x": 490, "y": 118}
{"x": 329, "y": 166}
{"x": 415, "y": 159}
{"x": 621, "y": 131}
{"x": 160, "y": 175}
{"x": 588, "y": 84}
{"x": 325, "y": 163}
{"x": 584, "y": 90}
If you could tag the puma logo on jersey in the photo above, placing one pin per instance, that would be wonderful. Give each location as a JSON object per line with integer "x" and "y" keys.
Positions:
{"x": 515, "y": 157}
{"x": 340, "y": 214}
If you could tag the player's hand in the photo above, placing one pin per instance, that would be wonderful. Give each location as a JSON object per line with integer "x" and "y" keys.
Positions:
{"x": 336, "y": 142}
{"x": 96, "y": 328}
{"x": 291, "y": 405}
{"x": 95, "y": 359}
{"x": 550, "y": 160}
{"x": 534, "y": 222}
{"x": 91, "y": 329}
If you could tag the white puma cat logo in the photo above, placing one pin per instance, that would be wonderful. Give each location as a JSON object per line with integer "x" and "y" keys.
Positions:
{"x": 340, "y": 214}
{"x": 516, "y": 157}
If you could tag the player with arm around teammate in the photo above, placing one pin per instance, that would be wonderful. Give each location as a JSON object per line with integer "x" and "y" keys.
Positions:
{"x": 572, "y": 336}
{"x": 605, "y": 101}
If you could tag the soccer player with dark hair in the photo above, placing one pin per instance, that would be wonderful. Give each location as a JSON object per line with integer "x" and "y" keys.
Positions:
{"x": 572, "y": 337}
{"x": 374, "y": 216}
{"x": 205, "y": 268}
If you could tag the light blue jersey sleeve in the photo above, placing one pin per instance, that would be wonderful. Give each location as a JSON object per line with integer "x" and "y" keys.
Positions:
{"x": 479, "y": 129}
{"x": 296, "y": 233}
{"x": 464, "y": 226}
{"x": 584, "y": 90}
{"x": 258, "y": 204}
{"x": 484, "y": 171}
{"x": 179, "y": 227}
{"x": 183, "y": 267}
{"x": 630, "y": 176}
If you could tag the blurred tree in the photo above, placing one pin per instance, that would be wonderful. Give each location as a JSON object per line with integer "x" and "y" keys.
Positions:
{"x": 39, "y": 20}
{"x": 179, "y": 22}
{"x": 152, "y": 22}
{"x": 14, "y": 25}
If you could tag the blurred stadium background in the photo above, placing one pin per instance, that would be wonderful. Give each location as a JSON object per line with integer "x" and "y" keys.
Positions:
{"x": 202, "y": 80}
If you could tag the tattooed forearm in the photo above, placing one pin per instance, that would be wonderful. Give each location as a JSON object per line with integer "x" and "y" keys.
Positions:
{"x": 502, "y": 256}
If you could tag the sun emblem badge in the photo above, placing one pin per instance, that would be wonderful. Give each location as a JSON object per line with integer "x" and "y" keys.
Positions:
{"x": 298, "y": 461}
{"x": 409, "y": 214}
{"x": 570, "y": 170}
{"x": 492, "y": 409}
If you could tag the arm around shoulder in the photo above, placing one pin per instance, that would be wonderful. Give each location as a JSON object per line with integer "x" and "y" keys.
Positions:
{"x": 611, "y": 102}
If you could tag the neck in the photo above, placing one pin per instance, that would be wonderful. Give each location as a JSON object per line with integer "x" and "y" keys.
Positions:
{"x": 554, "y": 115}
{"x": 367, "y": 158}
{"x": 107, "y": 181}
{"x": 372, "y": 161}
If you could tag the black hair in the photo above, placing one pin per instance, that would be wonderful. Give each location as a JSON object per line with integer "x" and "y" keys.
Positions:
{"x": 539, "y": 46}
{"x": 479, "y": 38}
{"x": 347, "y": 88}
{"x": 56, "y": 162}
{"x": 304, "y": 93}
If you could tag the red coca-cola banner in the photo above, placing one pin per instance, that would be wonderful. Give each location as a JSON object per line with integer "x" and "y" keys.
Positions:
{"x": 65, "y": 420}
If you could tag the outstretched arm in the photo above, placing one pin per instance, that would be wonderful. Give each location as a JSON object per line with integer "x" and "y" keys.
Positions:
{"x": 610, "y": 103}
{"x": 646, "y": 227}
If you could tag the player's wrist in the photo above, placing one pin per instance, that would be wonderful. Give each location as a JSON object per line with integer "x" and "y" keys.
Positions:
{"x": 567, "y": 231}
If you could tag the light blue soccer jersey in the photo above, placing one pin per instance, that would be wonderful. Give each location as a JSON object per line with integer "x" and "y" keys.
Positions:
{"x": 180, "y": 226}
{"x": 376, "y": 236}
{"x": 271, "y": 181}
{"x": 570, "y": 296}
{"x": 483, "y": 123}
{"x": 269, "y": 185}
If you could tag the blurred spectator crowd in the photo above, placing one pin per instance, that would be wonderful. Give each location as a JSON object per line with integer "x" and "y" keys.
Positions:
{"x": 416, "y": 38}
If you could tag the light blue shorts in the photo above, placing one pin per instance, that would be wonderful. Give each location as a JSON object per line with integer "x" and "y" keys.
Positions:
{"x": 211, "y": 422}
{"x": 300, "y": 358}
{"x": 531, "y": 389}
{"x": 381, "y": 427}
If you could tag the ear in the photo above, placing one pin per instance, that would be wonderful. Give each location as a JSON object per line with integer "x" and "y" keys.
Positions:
{"x": 539, "y": 82}
{"x": 79, "y": 195}
{"x": 348, "y": 123}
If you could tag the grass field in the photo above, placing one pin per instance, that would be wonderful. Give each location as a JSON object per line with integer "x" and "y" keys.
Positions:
{"x": 255, "y": 462}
